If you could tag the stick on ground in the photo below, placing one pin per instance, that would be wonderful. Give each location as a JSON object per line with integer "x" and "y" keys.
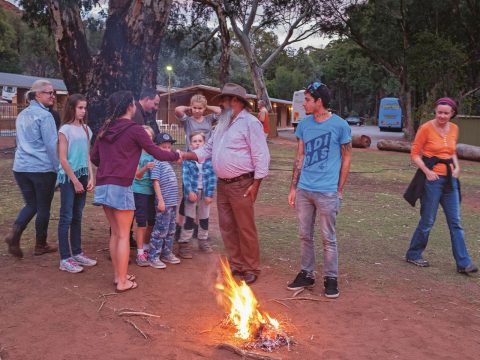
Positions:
{"x": 137, "y": 328}
{"x": 304, "y": 298}
{"x": 245, "y": 354}
{"x": 136, "y": 313}
{"x": 279, "y": 302}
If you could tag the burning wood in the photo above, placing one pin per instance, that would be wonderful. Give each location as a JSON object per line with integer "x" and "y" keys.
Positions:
{"x": 258, "y": 329}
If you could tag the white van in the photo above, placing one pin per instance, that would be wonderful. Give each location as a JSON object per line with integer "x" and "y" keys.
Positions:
{"x": 298, "y": 111}
{"x": 8, "y": 93}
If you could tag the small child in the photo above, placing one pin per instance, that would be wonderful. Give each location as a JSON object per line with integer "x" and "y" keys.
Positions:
{"x": 144, "y": 203}
{"x": 166, "y": 197}
{"x": 199, "y": 182}
{"x": 195, "y": 121}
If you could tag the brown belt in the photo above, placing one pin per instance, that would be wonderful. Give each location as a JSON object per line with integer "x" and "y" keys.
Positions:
{"x": 238, "y": 178}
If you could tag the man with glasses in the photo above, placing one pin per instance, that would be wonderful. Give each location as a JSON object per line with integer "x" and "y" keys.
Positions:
{"x": 321, "y": 167}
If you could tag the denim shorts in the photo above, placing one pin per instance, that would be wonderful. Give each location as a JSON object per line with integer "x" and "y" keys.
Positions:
{"x": 114, "y": 196}
{"x": 144, "y": 209}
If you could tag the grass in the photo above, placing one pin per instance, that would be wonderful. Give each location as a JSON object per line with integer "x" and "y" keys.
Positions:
{"x": 374, "y": 226}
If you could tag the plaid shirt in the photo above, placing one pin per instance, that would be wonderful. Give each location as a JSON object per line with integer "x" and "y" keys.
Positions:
{"x": 190, "y": 178}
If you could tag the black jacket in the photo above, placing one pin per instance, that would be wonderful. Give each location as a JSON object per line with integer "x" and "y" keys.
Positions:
{"x": 416, "y": 186}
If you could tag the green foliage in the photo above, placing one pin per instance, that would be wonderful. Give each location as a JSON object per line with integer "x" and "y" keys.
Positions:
{"x": 8, "y": 53}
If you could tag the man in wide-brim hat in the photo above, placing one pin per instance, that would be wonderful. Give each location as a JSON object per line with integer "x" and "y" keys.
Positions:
{"x": 240, "y": 158}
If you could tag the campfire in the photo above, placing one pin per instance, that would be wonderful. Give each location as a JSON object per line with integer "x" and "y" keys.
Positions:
{"x": 256, "y": 329}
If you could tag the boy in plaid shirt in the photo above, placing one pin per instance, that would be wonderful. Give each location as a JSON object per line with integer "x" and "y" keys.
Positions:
{"x": 199, "y": 183}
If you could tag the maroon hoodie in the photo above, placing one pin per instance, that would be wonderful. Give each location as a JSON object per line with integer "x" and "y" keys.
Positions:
{"x": 118, "y": 152}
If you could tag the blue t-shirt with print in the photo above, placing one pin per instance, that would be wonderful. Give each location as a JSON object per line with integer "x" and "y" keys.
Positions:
{"x": 322, "y": 160}
{"x": 144, "y": 185}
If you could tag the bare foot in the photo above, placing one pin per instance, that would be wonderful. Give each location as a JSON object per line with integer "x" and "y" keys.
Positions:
{"x": 128, "y": 285}
{"x": 130, "y": 277}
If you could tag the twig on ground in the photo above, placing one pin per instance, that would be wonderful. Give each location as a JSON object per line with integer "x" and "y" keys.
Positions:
{"x": 103, "y": 249}
{"x": 213, "y": 327}
{"x": 245, "y": 354}
{"x": 304, "y": 298}
{"x": 279, "y": 302}
{"x": 105, "y": 295}
{"x": 137, "y": 328}
{"x": 298, "y": 292}
{"x": 136, "y": 313}
{"x": 101, "y": 305}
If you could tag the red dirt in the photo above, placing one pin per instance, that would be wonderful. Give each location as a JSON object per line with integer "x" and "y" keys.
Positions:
{"x": 49, "y": 314}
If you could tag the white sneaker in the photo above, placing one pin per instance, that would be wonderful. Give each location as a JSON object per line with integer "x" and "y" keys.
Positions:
{"x": 171, "y": 259}
{"x": 70, "y": 265}
{"x": 157, "y": 263}
{"x": 84, "y": 260}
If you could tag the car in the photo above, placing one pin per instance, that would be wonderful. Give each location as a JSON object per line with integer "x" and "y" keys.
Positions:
{"x": 354, "y": 120}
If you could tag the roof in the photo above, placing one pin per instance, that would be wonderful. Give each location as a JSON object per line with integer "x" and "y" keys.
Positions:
{"x": 26, "y": 81}
{"x": 164, "y": 92}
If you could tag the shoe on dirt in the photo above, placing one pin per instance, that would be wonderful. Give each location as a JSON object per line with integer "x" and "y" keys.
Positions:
{"x": 157, "y": 263}
{"x": 171, "y": 259}
{"x": 331, "y": 287}
{"x": 302, "y": 281}
{"x": 84, "y": 260}
{"x": 142, "y": 260}
{"x": 70, "y": 265}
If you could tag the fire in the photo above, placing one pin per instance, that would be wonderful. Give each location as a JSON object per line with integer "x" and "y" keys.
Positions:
{"x": 242, "y": 307}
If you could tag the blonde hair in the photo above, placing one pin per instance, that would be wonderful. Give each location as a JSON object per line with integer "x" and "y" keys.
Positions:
{"x": 38, "y": 85}
{"x": 195, "y": 133}
{"x": 149, "y": 130}
{"x": 198, "y": 98}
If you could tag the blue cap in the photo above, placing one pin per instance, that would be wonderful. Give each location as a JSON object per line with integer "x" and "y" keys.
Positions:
{"x": 164, "y": 137}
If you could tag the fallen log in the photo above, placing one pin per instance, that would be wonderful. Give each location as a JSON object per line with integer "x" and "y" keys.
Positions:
{"x": 464, "y": 151}
{"x": 394, "y": 145}
{"x": 361, "y": 141}
{"x": 468, "y": 152}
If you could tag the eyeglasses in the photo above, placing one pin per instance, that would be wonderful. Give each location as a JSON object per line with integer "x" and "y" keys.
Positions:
{"x": 313, "y": 87}
{"x": 49, "y": 93}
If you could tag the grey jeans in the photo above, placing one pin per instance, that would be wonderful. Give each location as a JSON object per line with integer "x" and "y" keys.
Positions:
{"x": 193, "y": 210}
{"x": 324, "y": 207}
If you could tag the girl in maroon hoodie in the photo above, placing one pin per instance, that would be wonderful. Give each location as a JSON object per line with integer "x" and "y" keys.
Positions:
{"x": 116, "y": 153}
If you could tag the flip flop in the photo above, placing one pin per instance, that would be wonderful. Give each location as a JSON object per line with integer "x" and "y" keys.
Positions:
{"x": 129, "y": 277}
{"x": 133, "y": 286}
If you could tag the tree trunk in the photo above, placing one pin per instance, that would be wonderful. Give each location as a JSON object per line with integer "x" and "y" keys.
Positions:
{"x": 128, "y": 56}
{"x": 406, "y": 104}
{"x": 394, "y": 145}
{"x": 468, "y": 152}
{"x": 225, "y": 41}
{"x": 361, "y": 141}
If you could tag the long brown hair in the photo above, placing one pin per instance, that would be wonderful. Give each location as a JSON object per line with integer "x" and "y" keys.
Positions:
{"x": 117, "y": 106}
{"x": 70, "y": 109}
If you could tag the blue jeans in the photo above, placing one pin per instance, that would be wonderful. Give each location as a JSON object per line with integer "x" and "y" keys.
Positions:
{"x": 324, "y": 207}
{"x": 37, "y": 191}
{"x": 71, "y": 210}
{"x": 161, "y": 240}
{"x": 433, "y": 196}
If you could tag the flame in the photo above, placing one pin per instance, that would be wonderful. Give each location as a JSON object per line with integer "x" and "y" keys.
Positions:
{"x": 242, "y": 306}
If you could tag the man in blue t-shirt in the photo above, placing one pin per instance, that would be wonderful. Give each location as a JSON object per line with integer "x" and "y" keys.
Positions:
{"x": 320, "y": 170}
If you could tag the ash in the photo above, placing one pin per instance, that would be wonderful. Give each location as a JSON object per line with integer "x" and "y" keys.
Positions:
{"x": 269, "y": 341}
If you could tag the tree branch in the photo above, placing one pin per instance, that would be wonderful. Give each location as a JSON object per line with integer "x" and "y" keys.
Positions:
{"x": 206, "y": 39}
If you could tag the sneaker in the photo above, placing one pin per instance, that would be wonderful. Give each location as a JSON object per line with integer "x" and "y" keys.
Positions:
{"x": 472, "y": 268}
{"x": 331, "y": 288}
{"x": 142, "y": 260}
{"x": 157, "y": 263}
{"x": 204, "y": 246}
{"x": 84, "y": 260}
{"x": 418, "y": 262}
{"x": 303, "y": 280}
{"x": 171, "y": 259}
{"x": 70, "y": 265}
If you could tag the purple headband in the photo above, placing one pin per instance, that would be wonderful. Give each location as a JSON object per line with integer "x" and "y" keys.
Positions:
{"x": 447, "y": 101}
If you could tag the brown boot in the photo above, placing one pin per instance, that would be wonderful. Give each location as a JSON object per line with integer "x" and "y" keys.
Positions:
{"x": 13, "y": 241}
{"x": 185, "y": 250}
{"x": 41, "y": 247}
{"x": 204, "y": 246}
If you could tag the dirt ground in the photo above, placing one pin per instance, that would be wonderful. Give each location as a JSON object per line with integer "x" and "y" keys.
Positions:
{"x": 49, "y": 314}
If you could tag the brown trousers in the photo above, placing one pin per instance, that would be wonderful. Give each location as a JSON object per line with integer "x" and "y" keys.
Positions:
{"x": 237, "y": 225}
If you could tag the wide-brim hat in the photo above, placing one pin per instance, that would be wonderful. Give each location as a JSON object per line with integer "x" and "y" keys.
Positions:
{"x": 231, "y": 89}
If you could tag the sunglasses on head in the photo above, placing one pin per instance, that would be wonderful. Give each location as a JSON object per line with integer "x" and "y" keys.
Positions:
{"x": 314, "y": 86}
